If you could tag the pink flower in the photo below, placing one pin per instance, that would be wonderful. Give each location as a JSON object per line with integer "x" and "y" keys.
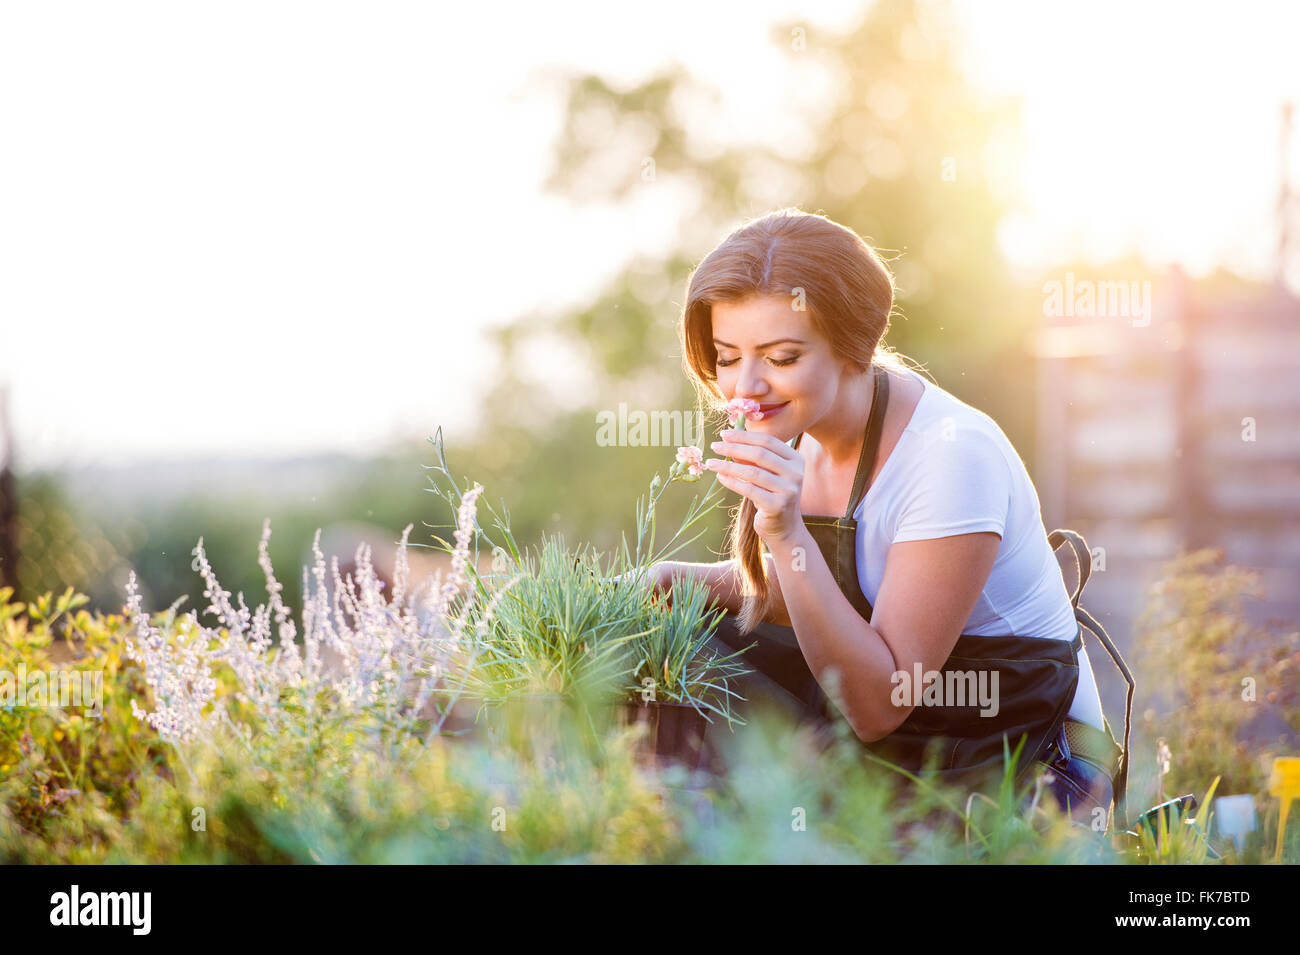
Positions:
{"x": 693, "y": 458}
{"x": 742, "y": 408}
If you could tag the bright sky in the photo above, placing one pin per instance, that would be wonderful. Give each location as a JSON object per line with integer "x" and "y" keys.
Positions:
{"x": 264, "y": 228}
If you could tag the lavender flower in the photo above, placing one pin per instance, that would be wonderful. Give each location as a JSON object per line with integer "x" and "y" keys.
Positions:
{"x": 361, "y": 650}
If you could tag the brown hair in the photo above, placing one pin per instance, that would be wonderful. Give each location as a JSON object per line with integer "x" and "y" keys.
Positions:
{"x": 849, "y": 294}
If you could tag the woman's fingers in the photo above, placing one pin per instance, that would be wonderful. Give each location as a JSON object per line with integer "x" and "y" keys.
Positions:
{"x": 759, "y": 477}
{"x": 751, "y": 454}
{"x": 760, "y": 439}
{"x": 763, "y": 499}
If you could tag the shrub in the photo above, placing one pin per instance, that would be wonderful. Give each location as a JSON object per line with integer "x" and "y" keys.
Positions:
{"x": 1204, "y": 664}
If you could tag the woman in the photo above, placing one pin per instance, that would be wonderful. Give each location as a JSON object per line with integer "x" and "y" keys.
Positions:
{"x": 939, "y": 562}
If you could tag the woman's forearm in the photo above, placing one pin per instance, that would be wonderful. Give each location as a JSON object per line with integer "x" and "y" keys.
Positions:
{"x": 723, "y": 582}
{"x": 833, "y": 636}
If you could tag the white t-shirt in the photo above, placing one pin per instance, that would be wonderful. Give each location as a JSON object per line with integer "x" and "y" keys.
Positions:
{"x": 953, "y": 472}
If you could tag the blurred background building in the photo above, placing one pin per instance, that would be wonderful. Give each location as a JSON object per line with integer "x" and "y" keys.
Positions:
{"x": 1177, "y": 429}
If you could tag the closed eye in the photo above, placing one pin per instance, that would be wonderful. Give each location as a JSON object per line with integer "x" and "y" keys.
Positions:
{"x": 780, "y": 364}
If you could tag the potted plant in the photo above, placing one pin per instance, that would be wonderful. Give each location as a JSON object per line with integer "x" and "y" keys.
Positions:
{"x": 695, "y": 681}
{"x": 680, "y": 688}
{"x": 559, "y": 639}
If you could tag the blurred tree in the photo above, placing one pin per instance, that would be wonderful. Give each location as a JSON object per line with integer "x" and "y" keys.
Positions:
{"x": 57, "y": 546}
{"x": 386, "y": 497}
{"x": 70, "y": 535}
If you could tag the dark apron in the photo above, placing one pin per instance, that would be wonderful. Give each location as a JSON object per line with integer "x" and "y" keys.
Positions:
{"x": 1037, "y": 676}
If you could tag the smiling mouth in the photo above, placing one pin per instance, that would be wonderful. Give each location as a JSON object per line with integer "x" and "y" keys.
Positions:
{"x": 769, "y": 410}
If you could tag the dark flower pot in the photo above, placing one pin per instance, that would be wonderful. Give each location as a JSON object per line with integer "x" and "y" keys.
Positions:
{"x": 678, "y": 733}
{"x": 463, "y": 722}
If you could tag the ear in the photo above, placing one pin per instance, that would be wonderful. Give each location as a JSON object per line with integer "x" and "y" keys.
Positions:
{"x": 849, "y": 370}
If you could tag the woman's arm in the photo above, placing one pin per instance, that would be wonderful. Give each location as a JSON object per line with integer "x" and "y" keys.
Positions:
{"x": 928, "y": 592}
{"x": 724, "y": 584}
{"x": 948, "y": 528}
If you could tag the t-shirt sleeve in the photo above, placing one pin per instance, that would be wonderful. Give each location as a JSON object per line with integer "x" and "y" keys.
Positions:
{"x": 960, "y": 483}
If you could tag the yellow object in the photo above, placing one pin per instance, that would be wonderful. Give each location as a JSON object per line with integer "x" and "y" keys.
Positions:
{"x": 1285, "y": 785}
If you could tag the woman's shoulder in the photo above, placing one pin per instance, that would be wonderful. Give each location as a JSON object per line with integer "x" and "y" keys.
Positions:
{"x": 953, "y": 475}
{"x": 943, "y": 428}
{"x": 951, "y": 459}
{"x": 938, "y": 404}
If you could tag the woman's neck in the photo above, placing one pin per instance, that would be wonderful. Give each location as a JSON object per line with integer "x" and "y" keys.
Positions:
{"x": 840, "y": 434}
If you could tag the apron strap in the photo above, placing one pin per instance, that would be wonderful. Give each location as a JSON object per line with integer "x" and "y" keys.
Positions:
{"x": 1082, "y": 557}
{"x": 1121, "y": 772}
{"x": 875, "y": 424}
{"x": 1083, "y": 560}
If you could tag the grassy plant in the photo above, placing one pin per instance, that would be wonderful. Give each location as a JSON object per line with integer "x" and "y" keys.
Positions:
{"x": 673, "y": 662}
{"x": 1173, "y": 837}
{"x": 558, "y": 631}
{"x": 792, "y": 797}
{"x": 600, "y": 635}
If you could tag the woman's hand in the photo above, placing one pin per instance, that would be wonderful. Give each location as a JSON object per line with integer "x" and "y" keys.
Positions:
{"x": 767, "y": 471}
{"x": 657, "y": 578}
{"x": 661, "y": 577}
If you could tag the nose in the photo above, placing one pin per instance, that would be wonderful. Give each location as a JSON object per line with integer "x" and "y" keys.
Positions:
{"x": 750, "y": 383}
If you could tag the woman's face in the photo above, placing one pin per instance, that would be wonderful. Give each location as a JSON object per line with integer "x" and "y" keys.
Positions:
{"x": 797, "y": 379}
